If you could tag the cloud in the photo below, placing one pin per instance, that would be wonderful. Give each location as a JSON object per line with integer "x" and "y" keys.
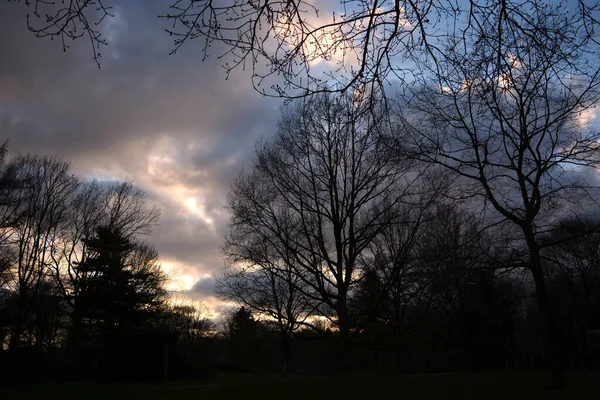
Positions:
{"x": 203, "y": 288}
{"x": 172, "y": 124}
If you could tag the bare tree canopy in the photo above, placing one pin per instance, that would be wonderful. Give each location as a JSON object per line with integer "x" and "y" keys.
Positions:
{"x": 507, "y": 113}
{"x": 271, "y": 289}
{"x": 68, "y": 21}
{"x": 504, "y": 108}
{"x": 319, "y": 194}
{"x": 295, "y": 47}
{"x": 41, "y": 207}
{"x": 357, "y": 43}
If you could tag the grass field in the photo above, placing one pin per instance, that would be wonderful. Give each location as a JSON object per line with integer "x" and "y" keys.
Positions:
{"x": 370, "y": 386}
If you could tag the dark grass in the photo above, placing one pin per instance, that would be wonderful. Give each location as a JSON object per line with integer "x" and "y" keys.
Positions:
{"x": 369, "y": 386}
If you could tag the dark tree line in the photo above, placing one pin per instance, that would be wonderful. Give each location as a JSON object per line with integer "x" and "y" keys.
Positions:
{"x": 82, "y": 292}
{"x": 345, "y": 218}
{"x": 460, "y": 305}
{"x": 493, "y": 95}
{"x": 497, "y": 100}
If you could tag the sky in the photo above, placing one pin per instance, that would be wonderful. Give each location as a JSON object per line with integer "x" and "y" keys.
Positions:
{"x": 172, "y": 124}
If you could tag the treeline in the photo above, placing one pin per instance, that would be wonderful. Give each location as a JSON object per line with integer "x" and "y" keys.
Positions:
{"x": 445, "y": 302}
{"x": 401, "y": 251}
{"x": 363, "y": 236}
{"x": 82, "y": 295}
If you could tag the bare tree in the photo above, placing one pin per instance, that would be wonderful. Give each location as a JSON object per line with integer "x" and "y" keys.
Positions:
{"x": 361, "y": 42}
{"x": 468, "y": 305}
{"x": 8, "y": 216}
{"x": 42, "y": 210}
{"x": 9, "y": 183}
{"x": 358, "y": 43}
{"x": 319, "y": 193}
{"x": 126, "y": 208}
{"x": 364, "y": 41}
{"x": 504, "y": 112}
{"x": 391, "y": 260}
{"x": 293, "y": 48}
{"x": 264, "y": 282}
{"x": 85, "y": 210}
{"x": 572, "y": 262}
{"x": 188, "y": 323}
{"x": 120, "y": 206}
{"x": 68, "y": 21}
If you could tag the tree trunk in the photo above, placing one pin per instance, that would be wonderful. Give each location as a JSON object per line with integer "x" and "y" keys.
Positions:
{"x": 397, "y": 349}
{"x": 17, "y": 332}
{"x": 286, "y": 345}
{"x": 548, "y": 313}
{"x": 344, "y": 339}
{"x": 74, "y": 332}
{"x": 15, "y": 338}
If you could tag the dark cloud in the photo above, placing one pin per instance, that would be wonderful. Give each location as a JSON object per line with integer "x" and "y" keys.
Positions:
{"x": 170, "y": 123}
{"x": 189, "y": 241}
{"x": 69, "y": 106}
{"x": 203, "y": 289}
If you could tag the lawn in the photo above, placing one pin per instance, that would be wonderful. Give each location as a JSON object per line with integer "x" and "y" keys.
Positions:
{"x": 370, "y": 386}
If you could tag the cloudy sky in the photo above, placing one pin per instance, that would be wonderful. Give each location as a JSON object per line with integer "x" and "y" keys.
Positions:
{"x": 172, "y": 124}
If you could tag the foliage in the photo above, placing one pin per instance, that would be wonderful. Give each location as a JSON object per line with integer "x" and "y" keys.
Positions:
{"x": 124, "y": 285}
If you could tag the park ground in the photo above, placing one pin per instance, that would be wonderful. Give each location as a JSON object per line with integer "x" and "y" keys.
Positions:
{"x": 364, "y": 385}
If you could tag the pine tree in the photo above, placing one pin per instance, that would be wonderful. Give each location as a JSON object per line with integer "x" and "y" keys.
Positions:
{"x": 124, "y": 285}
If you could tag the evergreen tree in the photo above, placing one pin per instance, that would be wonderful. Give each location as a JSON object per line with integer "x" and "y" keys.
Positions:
{"x": 124, "y": 285}
{"x": 243, "y": 332}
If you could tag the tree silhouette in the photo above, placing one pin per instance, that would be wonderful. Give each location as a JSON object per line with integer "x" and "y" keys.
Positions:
{"x": 68, "y": 21}
{"x": 40, "y": 208}
{"x": 572, "y": 263}
{"x": 358, "y": 44}
{"x": 320, "y": 192}
{"x": 297, "y": 47}
{"x": 269, "y": 288}
{"x": 393, "y": 282}
{"x": 186, "y": 323}
{"x": 243, "y": 338}
{"x": 119, "y": 207}
{"x": 503, "y": 112}
{"x": 469, "y": 305}
{"x": 124, "y": 287}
